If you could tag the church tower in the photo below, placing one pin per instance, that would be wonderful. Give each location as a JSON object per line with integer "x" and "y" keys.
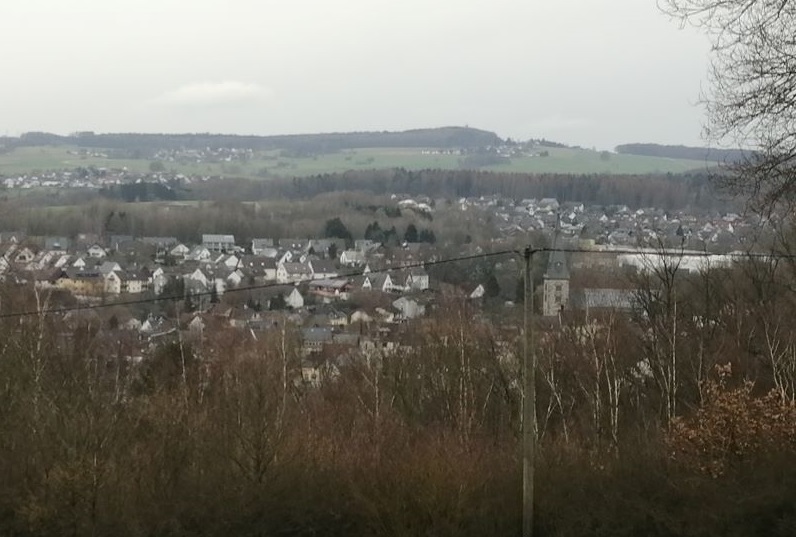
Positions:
{"x": 556, "y": 280}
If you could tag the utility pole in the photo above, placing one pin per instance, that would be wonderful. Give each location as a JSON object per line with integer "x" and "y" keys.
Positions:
{"x": 528, "y": 402}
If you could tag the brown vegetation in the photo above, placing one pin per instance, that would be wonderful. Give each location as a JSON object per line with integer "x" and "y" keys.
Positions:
{"x": 218, "y": 435}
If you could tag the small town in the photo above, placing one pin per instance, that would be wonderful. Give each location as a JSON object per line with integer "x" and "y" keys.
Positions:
{"x": 346, "y": 299}
{"x": 399, "y": 269}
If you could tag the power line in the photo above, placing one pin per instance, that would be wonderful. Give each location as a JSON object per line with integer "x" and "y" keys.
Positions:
{"x": 652, "y": 252}
{"x": 270, "y": 285}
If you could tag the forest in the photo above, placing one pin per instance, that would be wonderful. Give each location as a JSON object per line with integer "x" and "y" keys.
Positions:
{"x": 676, "y": 420}
{"x": 670, "y": 192}
{"x": 707, "y": 154}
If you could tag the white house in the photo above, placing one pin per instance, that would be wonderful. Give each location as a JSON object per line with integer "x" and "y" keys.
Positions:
{"x": 179, "y": 251}
{"x": 360, "y": 316}
{"x": 159, "y": 280}
{"x": 410, "y": 309}
{"x": 235, "y": 278}
{"x": 292, "y": 272}
{"x": 113, "y": 283}
{"x": 62, "y": 261}
{"x": 229, "y": 261}
{"x": 199, "y": 253}
{"x": 375, "y": 282}
{"x": 133, "y": 282}
{"x": 96, "y": 251}
{"x": 24, "y": 255}
{"x": 121, "y": 282}
{"x": 294, "y": 299}
{"x": 197, "y": 276}
{"x": 478, "y": 292}
{"x": 109, "y": 266}
{"x": 262, "y": 246}
{"x": 352, "y": 258}
{"x": 219, "y": 243}
{"x": 285, "y": 256}
{"x": 418, "y": 279}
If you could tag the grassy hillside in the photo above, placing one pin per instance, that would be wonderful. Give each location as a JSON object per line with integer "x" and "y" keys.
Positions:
{"x": 274, "y": 164}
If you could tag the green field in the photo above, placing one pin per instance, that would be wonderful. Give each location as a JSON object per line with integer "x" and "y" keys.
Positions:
{"x": 273, "y": 164}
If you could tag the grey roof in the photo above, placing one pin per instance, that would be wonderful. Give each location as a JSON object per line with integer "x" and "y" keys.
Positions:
{"x": 557, "y": 263}
{"x": 297, "y": 268}
{"x": 329, "y": 283}
{"x": 56, "y": 243}
{"x": 160, "y": 241}
{"x": 294, "y": 244}
{"x": 262, "y": 243}
{"x": 323, "y": 265}
{"x": 317, "y": 334}
{"x": 620, "y": 299}
{"x": 229, "y": 239}
{"x": 557, "y": 267}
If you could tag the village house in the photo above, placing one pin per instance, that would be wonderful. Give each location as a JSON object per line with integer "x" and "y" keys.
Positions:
{"x": 228, "y": 261}
{"x": 478, "y": 293}
{"x": 125, "y": 282}
{"x": 260, "y": 268}
{"x": 218, "y": 243}
{"x": 161, "y": 243}
{"x": 321, "y": 247}
{"x": 295, "y": 245}
{"x": 107, "y": 267}
{"x": 374, "y": 282}
{"x": 288, "y": 295}
{"x": 415, "y": 279}
{"x": 199, "y": 253}
{"x": 96, "y": 251}
{"x": 23, "y": 255}
{"x": 361, "y": 316}
{"x": 409, "y": 308}
{"x": 292, "y": 272}
{"x": 113, "y": 283}
{"x": 261, "y": 247}
{"x": 314, "y": 338}
{"x": 179, "y": 251}
{"x": 196, "y": 281}
{"x": 329, "y": 289}
{"x": 81, "y": 283}
{"x": 352, "y": 258}
{"x": 323, "y": 269}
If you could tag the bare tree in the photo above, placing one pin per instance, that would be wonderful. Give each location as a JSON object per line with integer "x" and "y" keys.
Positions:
{"x": 752, "y": 99}
{"x": 656, "y": 305}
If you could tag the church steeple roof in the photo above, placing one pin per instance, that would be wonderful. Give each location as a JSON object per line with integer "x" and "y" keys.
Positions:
{"x": 557, "y": 263}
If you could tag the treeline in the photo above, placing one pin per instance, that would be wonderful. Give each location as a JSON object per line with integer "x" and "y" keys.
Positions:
{"x": 678, "y": 421}
{"x": 364, "y": 216}
{"x": 140, "y": 191}
{"x": 669, "y": 192}
{"x": 147, "y": 144}
{"x": 705, "y": 154}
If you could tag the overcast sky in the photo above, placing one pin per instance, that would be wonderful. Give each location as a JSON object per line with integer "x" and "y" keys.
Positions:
{"x": 588, "y": 72}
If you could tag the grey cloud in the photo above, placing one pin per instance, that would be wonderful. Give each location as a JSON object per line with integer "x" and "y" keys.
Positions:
{"x": 204, "y": 94}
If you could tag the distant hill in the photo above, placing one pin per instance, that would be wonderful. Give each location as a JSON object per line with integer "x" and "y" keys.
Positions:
{"x": 443, "y": 137}
{"x": 705, "y": 154}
